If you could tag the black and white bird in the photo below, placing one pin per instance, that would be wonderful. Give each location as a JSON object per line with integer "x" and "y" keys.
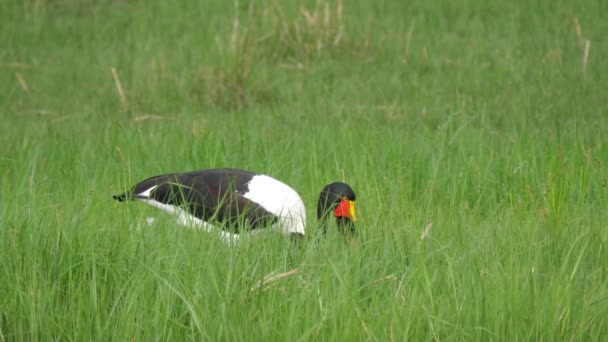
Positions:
{"x": 230, "y": 201}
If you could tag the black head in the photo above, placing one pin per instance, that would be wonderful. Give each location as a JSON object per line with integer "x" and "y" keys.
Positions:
{"x": 337, "y": 199}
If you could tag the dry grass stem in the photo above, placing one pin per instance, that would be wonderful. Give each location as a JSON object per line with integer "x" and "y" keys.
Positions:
{"x": 362, "y": 320}
{"x": 586, "y": 54}
{"x": 234, "y": 36}
{"x": 338, "y": 37}
{"x": 408, "y": 39}
{"x": 122, "y": 156}
{"x": 577, "y": 29}
{"x": 587, "y": 153}
{"x": 426, "y": 231}
{"x": 309, "y": 17}
{"x": 272, "y": 278}
{"x": 22, "y": 82}
{"x": 388, "y": 277}
{"x": 121, "y": 92}
{"x": 147, "y": 117}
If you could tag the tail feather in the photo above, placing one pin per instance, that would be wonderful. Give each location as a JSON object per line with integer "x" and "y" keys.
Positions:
{"x": 122, "y": 197}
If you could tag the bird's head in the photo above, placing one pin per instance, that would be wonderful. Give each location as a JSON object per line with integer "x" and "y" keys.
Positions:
{"x": 338, "y": 200}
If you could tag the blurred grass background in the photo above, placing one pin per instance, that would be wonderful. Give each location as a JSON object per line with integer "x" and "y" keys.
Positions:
{"x": 483, "y": 122}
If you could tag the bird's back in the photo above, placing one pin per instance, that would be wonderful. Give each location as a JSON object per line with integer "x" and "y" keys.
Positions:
{"x": 226, "y": 196}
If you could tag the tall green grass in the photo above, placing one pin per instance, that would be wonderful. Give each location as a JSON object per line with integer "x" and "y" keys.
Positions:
{"x": 483, "y": 123}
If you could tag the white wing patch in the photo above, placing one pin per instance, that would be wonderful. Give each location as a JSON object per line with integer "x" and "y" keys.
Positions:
{"x": 146, "y": 193}
{"x": 186, "y": 219}
{"x": 280, "y": 200}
